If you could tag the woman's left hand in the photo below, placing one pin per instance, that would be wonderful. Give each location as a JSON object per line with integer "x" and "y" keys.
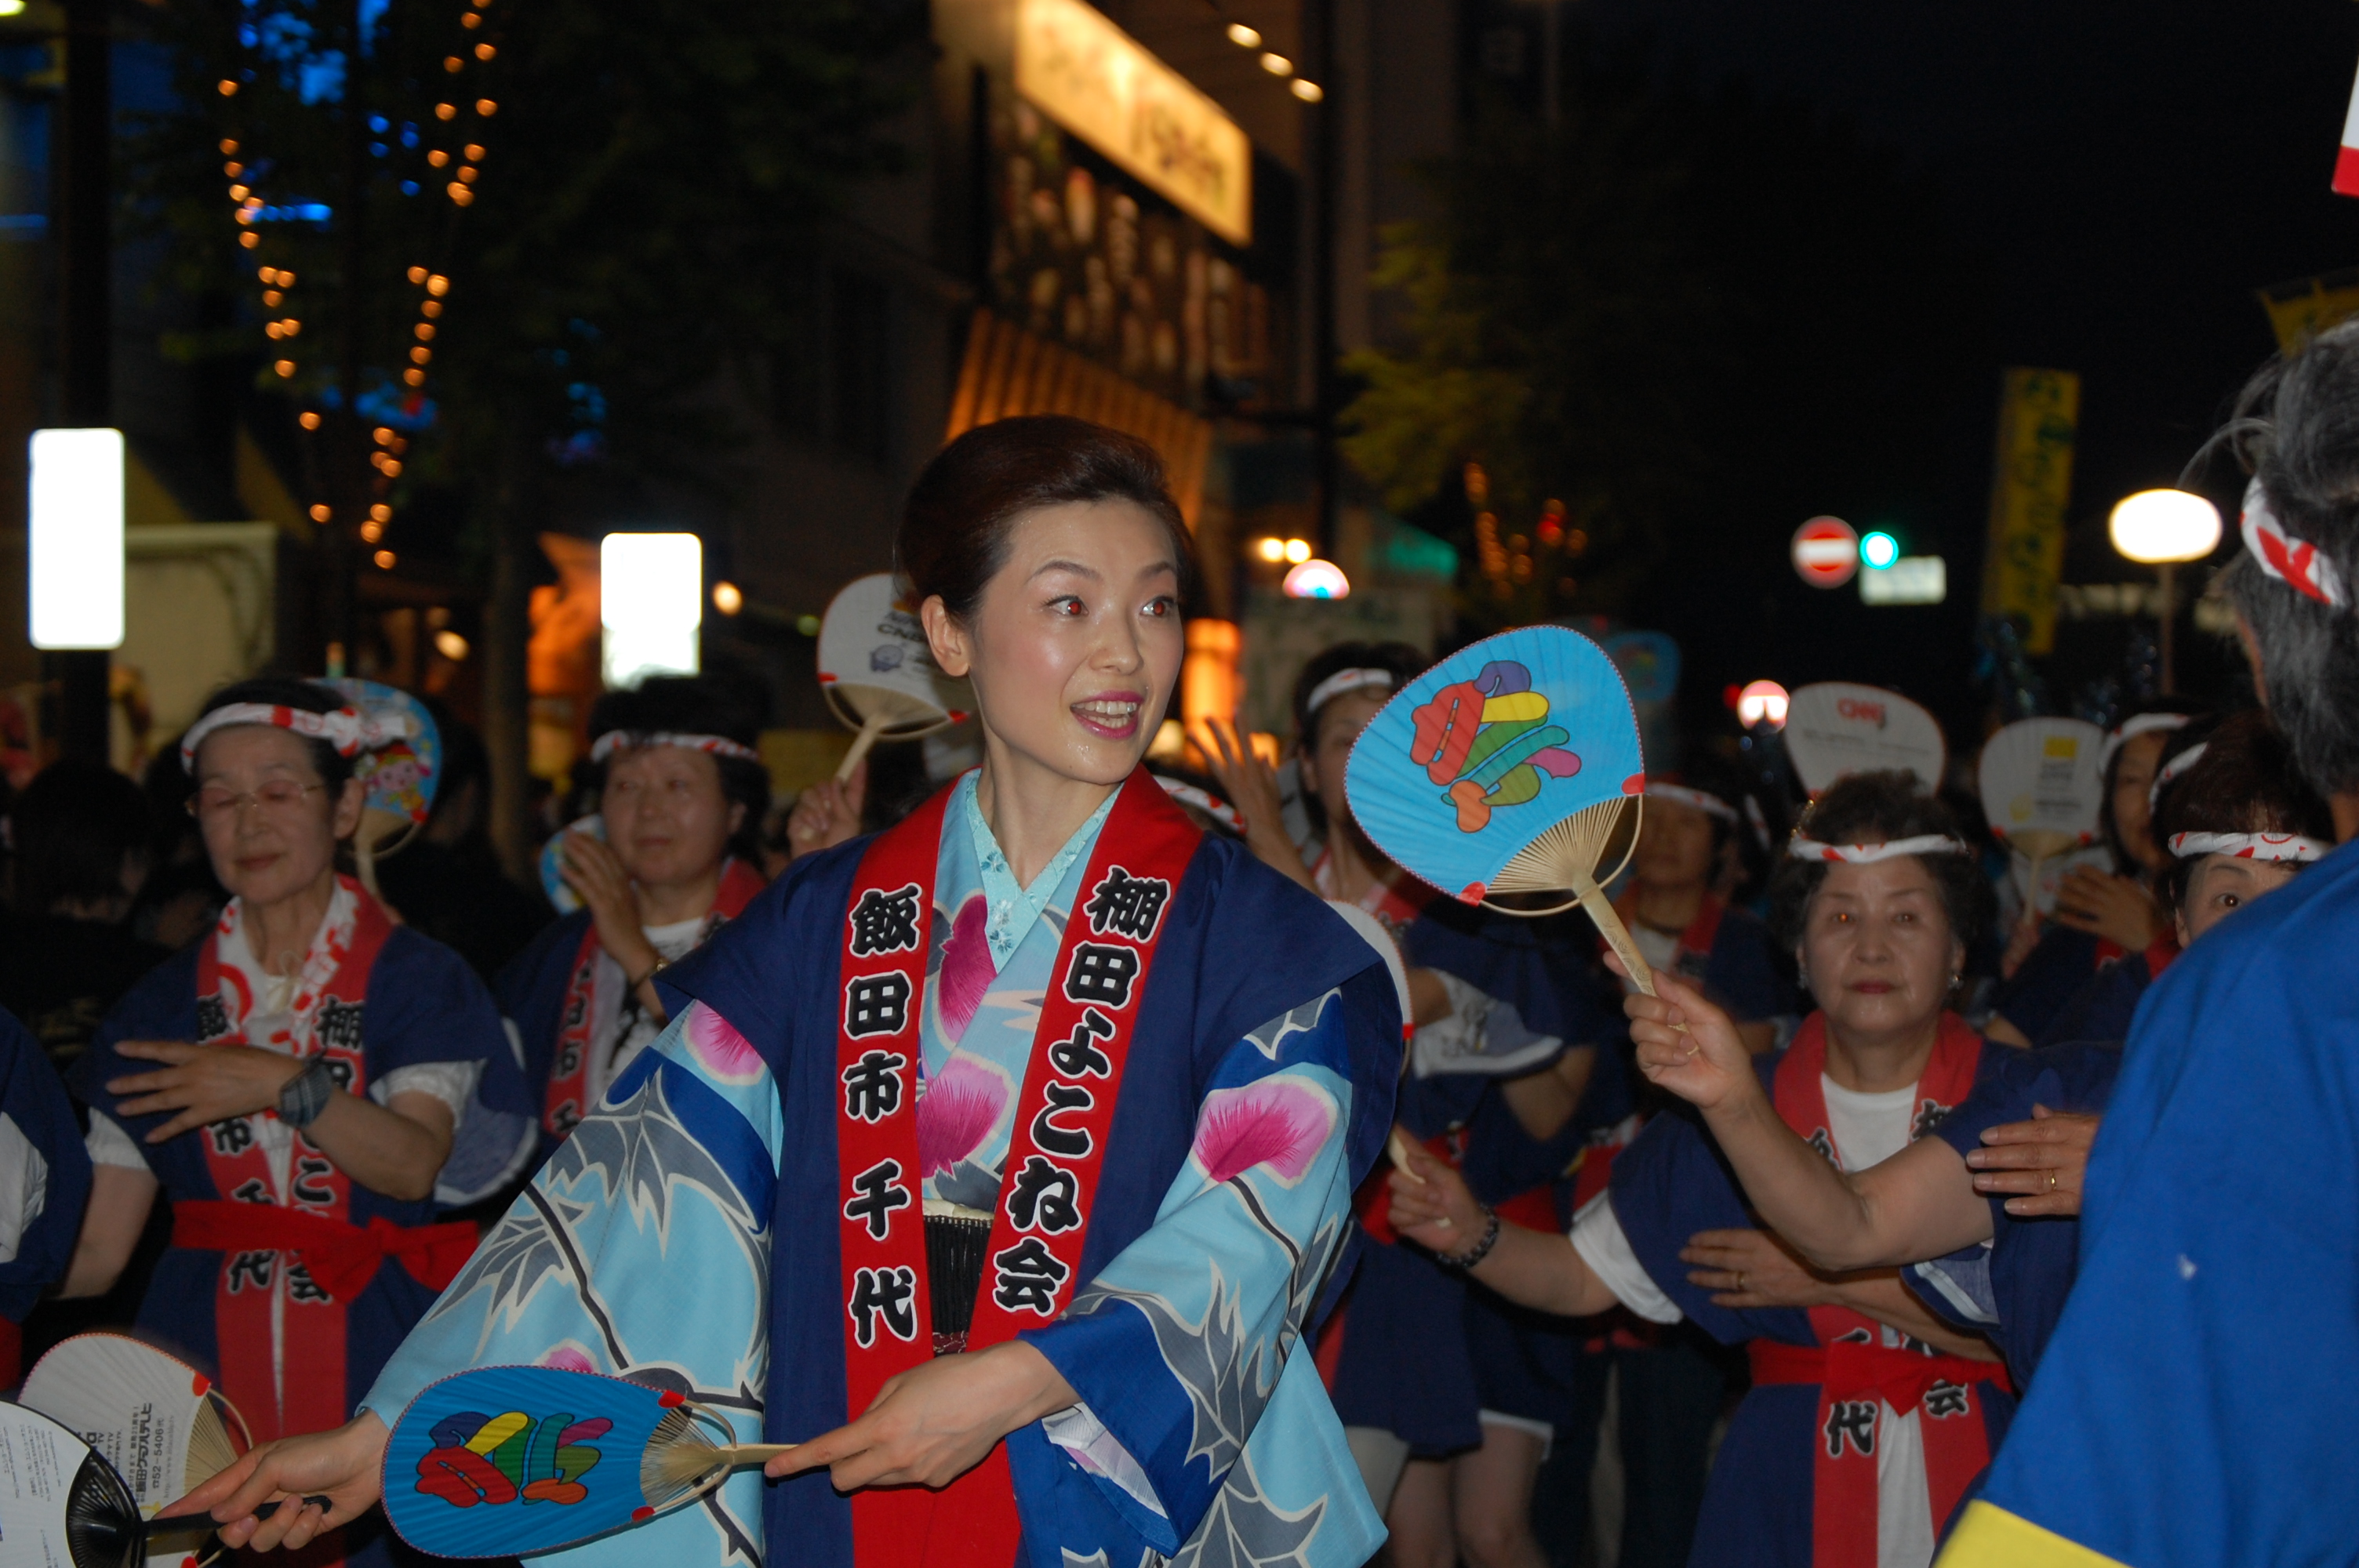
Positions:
{"x": 936, "y": 1422}
{"x": 205, "y": 1082}
{"x": 2041, "y": 1160}
{"x": 1752, "y": 1269}
{"x": 2118, "y": 909}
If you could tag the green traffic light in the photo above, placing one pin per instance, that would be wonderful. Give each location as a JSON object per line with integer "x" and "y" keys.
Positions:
{"x": 1878, "y": 550}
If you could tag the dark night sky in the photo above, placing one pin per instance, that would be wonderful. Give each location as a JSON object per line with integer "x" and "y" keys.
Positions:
{"x": 2126, "y": 174}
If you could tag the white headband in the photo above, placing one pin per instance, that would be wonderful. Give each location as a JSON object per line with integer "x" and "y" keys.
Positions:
{"x": 2175, "y": 768}
{"x": 1342, "y": 681}
{"x": 1868, "y": 854}
{"x": 615, "y": 740}
{"x": 2248, "y": 846}
{"x": 2138, "y": 725}
{"x": 1710, "y": 804}
{"x": 1220, "y": 811}
{"x": 348, "y": 730}
{"x": 2293, "y": 561}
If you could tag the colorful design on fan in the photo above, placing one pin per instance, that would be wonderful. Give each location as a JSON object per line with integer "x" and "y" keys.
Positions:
{"x": 509, "y": 1458}
{"x": 1488, "y": 742}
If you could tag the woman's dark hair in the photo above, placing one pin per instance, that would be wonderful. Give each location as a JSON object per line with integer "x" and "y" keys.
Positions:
{"x": 1403, "y": 662}
{"x": 288, "y": 691}
{"x": 955, "y": 530}
{"x": 2245, "y": 781}
{"x": 2296, "y": 429}
{"x": 2195, "y": 709}
{"x": 693, "y": 705}
{"x": 74, "y": 828}
{"x": 1876, "y": 808}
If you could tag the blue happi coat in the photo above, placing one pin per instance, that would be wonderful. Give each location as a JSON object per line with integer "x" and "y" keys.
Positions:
{"x": 713, "y": 1160}
{"x": 2193, "y": 1405}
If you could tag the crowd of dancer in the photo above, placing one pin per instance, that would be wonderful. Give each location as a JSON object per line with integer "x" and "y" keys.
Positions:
{"x": 1777, "y": 1264}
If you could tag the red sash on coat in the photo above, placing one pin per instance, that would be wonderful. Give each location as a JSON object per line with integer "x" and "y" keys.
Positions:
{"x": 567, "y": 1099}
{"x": 1064, "y": 1115}
{"x": 312, "y": 1396}
{"x": 1856, "y": 1371}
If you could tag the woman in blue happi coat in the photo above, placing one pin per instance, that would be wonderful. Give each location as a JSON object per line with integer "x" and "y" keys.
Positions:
{"x": 1115, "y": 1375}
{"x": 1982, "y": 1212}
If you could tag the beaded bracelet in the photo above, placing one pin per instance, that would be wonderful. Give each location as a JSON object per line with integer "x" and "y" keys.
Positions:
{"x": 1462, "y": 1262}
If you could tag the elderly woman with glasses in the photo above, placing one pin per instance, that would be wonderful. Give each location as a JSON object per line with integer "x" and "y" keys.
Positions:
{"x": 307, "y": 1084}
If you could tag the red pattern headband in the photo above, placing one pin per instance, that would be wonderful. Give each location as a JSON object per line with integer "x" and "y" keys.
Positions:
{"x": 615, "y": 740}
{"x": 1681, "y": 794}
{"x": 2249, "y": 845}
{"x": 1868, "y": 854}
{"x": 348, "y": 730}
{"x": 2294, "y": 561}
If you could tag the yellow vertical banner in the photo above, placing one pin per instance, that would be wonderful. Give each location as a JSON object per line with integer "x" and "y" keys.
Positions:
{"x": 2031, "y": 483}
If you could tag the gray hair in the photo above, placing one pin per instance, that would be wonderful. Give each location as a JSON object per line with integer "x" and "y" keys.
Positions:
{"x": 2296, "y": 429}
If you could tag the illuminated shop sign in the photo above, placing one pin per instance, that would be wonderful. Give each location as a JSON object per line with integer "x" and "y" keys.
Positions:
{"x": 1094, "y": 80}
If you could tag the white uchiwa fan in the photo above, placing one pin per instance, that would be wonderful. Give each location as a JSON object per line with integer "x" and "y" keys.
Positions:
{"x": 1835, "y": 729}
{"x": 878, "y": 671}
{"x": 2042, "y": 781}
{"x": 160, "y": 1423}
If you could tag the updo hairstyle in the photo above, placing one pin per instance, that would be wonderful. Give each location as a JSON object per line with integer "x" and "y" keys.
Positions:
{"x": 955, "y": 530}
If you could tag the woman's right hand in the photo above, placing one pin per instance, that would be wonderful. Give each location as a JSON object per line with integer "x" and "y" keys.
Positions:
{"x": 828, "y": 813}
{"x": 596, "y": 875}
{"x": 1689, "y": 1046}
{"x": 1251, "y": 785}
{"x": 1431, "y": 1203}
{"x": 344, "y": 1465}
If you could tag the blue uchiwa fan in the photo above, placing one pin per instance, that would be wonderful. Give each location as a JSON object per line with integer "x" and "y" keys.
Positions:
{"x": 516, "y": 1461}
{"x": 1509, "y": 768}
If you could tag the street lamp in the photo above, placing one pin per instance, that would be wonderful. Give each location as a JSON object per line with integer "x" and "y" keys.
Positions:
{"x": 75, "y": 559}
{"x": 2161, "y": 528}
{"x": 650, "y": 601}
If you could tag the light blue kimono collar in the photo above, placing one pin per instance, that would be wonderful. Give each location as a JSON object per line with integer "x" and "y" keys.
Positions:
{"x": 1012, "y": 910}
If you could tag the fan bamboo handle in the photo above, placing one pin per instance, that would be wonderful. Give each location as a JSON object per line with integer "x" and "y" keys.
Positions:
{"x": 1617, "y": 935}
{"x": 743, "y": 1453}
{"x": 870, "y": 728}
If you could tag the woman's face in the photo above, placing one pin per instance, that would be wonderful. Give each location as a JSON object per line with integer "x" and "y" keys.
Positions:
{"x": 1335, "y": 726}
{"x": 1877, "y": 946}
{"x": 2133, "y": 779}
{"x": 1674, "y": 845}
{"x": 2222, "y": 884}
{"x": 270, "y": 824}
{"x": 1076, "y": 643}
{"x": 667, "y": 819}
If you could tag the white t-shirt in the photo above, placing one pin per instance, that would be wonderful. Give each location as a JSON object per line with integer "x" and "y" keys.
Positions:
{"x": 1867, "y": 1129}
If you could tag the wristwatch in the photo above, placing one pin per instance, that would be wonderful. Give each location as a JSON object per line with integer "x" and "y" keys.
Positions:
{"x": 307, "y": 1094}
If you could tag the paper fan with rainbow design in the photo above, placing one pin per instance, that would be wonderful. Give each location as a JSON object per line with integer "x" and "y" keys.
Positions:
{"x": 1507, "y": 768}
{"x": 517, "y": 1461}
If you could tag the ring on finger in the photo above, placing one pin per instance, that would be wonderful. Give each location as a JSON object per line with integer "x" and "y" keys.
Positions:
{"x": 1740, "y": 1281}
{"x": 2051, "y": 1180}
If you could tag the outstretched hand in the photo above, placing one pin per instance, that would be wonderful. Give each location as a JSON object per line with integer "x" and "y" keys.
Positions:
{"x": 1431, "y": 1203}
{"x": 344, "y": 1466}
{"x": 1687, "y": 1045}
{"x": 2041, "y": 1160}
{"x": 936, "y": 1422}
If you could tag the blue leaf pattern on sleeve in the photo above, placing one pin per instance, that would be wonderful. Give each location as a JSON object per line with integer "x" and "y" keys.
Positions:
{"x": 671, "y": 1178}
{"x": 1221, "y": 1447}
